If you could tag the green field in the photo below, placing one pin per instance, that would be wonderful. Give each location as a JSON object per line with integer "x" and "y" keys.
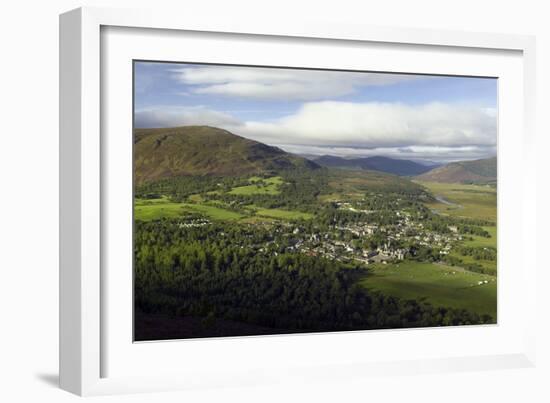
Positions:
{"x": 440, "y": 285}
{"x": 487, "y": 264}
{"x": 152, "y": 209}
{"x": 482, "y": 242}
{"x": 474, "y": 201}
{"x": 147, "y": 210}
{"x": 269, "y": 186}
{"x": 196, "y": 198}
{"x": 213, "y": 212}
{"x": 283, "y": 214}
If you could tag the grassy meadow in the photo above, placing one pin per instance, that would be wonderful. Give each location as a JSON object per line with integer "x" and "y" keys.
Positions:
{"x": 269, "y": 186}
{"x": 283, "y": 214}
{"x": 481, "y": 242}
{"x": 163, "y": 207}
{"x": 438, "y": 284}
{"x": 145, "y": 211}
{"x": 473, "y": 201}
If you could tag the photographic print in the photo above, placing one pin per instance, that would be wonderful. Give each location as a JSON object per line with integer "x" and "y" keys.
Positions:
{"x": 275, "y": 200}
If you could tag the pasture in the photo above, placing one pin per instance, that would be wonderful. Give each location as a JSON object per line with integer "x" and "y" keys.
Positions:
{"x": 212, "y": 212}
{"x": 283, "y": 214}
{"x": 437, "y": 284}
{"x": 482, "y": 242}
{"x": 474, "y": 201}
{"x": 153, "y": 209}
{"x": 147, "y": 210}
{"x": 486, "y": 264}
{"x": 269, "y": 186}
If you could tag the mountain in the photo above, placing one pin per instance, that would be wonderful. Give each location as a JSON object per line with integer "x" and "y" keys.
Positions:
{"x": 204, "y": 150}
{"x": 382, "y": 164}
{"x": 429, "y": 163}
{"x": 334, "y": 162}
{"x": 477, "y": 171}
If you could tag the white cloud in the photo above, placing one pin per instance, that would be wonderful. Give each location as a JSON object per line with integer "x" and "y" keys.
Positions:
{"x": 426, "y": 153}
{"x": 437, "y": 131}
{"x": 277, "y": 84}
{"x": 379, "y": 125}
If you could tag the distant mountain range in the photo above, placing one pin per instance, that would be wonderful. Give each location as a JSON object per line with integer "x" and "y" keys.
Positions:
{"x": 382, "y": 164}
{"x": 477, "y": 171}
{"x": 204, "y": 150}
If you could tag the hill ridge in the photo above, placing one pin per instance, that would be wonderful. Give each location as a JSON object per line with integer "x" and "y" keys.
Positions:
{"x": 205, "y": 150}
{"x": 379, "y": 163}
{"x": 482, "y": 170}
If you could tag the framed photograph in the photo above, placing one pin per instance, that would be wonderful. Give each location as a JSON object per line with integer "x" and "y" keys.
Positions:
{"x": 236, "y": 200}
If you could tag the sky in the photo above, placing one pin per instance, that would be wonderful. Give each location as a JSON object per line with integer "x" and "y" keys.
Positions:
{"x": 322, "y": 112}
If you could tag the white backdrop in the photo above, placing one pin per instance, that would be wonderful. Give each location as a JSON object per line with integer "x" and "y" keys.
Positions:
{"x": 28, "y": 166}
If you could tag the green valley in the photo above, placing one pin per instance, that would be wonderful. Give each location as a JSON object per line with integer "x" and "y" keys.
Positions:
{"x": 261, "y": 239}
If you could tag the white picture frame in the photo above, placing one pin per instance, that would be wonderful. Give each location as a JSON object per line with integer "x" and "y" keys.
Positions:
{"x": 84, "y": 343}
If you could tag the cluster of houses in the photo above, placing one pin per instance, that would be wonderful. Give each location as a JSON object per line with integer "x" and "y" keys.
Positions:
{"x": 344, "y": 251}
{"x": 335, "y": 244}
{"x": 194, "y": 222}
{"x": 405, "y": 231}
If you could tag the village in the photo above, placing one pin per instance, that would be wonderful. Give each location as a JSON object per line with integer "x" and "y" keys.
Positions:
{"x": 364, "y": 242}
{"x": 348, "y": 243}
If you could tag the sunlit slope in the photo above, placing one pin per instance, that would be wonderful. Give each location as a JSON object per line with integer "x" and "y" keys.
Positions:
{"x": 204, "y": 150}
{"x": 478, "y": 171}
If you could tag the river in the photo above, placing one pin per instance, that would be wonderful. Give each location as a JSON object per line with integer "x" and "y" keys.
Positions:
{"x": 441, "y": 199}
